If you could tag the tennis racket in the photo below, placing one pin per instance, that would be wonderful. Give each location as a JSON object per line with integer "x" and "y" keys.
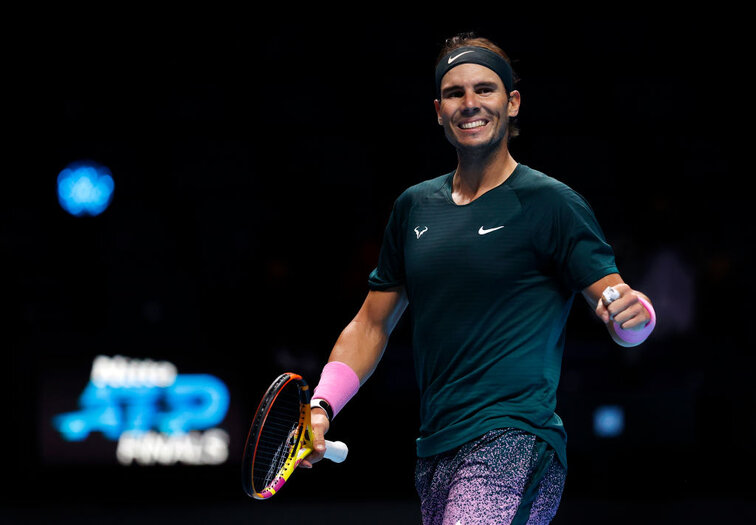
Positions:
{"x": 280, "y": 437}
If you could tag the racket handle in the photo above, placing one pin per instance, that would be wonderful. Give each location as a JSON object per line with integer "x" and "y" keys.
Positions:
{"x": 336, "y": 451}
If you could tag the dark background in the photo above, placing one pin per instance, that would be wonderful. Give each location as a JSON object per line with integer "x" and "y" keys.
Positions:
{"x": 256, "y": 159}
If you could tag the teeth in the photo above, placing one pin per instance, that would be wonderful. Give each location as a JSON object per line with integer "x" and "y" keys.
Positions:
{"x": 470, "y": 125}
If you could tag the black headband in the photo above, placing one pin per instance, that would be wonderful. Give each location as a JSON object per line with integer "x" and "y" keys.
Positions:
{"x": 475, "y": 55}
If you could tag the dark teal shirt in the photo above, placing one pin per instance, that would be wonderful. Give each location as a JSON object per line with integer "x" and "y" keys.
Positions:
{"x": 490, "y": 285}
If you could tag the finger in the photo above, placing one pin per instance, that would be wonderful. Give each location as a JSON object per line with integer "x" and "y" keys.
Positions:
{"x": 318, "y": 444}
{"x": 318, "y": 453}
{"x": 602, "y": 312}
{"x": 319, "y": 422}
{"x": 634, "y": 315}
{"x": 608, "y": 304}
{"x": 312, "y": 458}
{"x": 625, "y": 303}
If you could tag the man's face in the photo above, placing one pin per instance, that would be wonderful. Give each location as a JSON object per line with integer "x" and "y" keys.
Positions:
{"x": 474, "y": 108}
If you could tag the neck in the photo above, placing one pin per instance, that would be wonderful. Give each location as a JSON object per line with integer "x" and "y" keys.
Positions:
{"x": 478, "y": 173}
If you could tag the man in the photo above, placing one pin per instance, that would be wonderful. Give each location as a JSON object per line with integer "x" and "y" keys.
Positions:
{"x": 489, "y": 257}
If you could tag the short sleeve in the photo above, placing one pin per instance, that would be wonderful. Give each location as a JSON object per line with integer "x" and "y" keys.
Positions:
{"x": 574, "y": 240}
{"x": 389, "y": 271}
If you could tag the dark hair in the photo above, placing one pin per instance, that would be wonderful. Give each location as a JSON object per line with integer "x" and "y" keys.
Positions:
{"x": 472, "y": 39}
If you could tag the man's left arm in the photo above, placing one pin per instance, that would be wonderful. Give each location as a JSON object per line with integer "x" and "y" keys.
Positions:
{"x": 634, "y": 318}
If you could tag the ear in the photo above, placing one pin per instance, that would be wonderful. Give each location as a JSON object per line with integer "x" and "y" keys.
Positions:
{"x": 514, "y": 103}
{"x": 437, "y": 105}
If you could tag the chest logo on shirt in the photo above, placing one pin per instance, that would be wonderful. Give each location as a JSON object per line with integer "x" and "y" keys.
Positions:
{"x": 484, "y": 231}
{"x": 419, "y": 231}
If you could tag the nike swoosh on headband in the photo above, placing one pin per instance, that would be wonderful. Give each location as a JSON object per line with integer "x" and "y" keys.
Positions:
{"x": 452, "y": 59}
{"x": 477, "y": 55}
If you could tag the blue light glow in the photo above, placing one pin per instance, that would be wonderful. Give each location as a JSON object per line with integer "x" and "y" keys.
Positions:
{"x": 85, "y": 188}
{"x": 609, "y": 421}
{"x": 192, "y": 402}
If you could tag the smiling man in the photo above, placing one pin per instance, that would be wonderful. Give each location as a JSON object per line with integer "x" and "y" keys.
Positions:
{"x": 474, "y": 107}
{"x": 489, "y": 257}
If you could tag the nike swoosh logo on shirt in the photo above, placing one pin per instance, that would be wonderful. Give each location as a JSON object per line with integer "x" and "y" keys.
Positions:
{"x": 483, "y": 231}
{"x": 452, "y": 59}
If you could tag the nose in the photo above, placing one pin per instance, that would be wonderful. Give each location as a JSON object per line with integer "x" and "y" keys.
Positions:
{"x": 470, "y": 102}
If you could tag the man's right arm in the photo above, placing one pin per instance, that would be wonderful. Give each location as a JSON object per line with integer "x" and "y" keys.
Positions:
{"x": 360, "y": 346}
{"x": 362, "y": 342}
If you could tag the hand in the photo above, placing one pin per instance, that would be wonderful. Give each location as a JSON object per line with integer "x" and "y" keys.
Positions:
{"x": 627, "y": 310}
{"x": 320, "y": 425}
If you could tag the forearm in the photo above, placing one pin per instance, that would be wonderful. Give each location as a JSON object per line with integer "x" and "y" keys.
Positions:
{"x": 360, "y": 345}
{"x": 359, "y": 348}
{"x": 354, "y": 357}
{"x": 362, "y": 342}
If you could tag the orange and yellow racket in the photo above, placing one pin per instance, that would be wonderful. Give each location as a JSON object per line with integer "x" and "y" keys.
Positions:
{"x": 280, "y": 437}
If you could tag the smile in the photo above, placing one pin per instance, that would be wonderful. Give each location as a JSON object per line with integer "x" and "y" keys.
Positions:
{"x": 473, "y": 124}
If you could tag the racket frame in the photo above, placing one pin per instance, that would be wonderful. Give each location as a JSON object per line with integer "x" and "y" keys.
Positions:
{"x": 296, "y": 453}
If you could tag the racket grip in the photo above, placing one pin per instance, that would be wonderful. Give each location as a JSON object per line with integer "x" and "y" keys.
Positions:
{"x": 336, "y": 451}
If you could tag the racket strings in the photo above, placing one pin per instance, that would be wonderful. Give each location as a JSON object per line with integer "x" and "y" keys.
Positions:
{"x": 275, "y": 466}
{"x": 277, "y": 437}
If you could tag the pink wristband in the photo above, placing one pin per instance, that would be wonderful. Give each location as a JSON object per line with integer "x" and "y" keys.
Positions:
{"x": 338, "y": 384}
{"x": 638, "y": 336}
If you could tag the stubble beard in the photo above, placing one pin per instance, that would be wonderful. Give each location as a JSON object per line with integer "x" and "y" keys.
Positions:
{"x": 480, "y": 152}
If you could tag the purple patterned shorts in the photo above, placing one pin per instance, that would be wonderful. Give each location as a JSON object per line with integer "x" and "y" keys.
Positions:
{"x": 506, "y": 477}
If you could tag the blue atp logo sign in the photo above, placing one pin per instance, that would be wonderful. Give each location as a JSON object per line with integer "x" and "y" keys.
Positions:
{"x": 155, "y": 414}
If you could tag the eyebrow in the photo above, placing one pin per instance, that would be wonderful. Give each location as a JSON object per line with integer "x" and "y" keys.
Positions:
{"x": 454, "y": 87}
